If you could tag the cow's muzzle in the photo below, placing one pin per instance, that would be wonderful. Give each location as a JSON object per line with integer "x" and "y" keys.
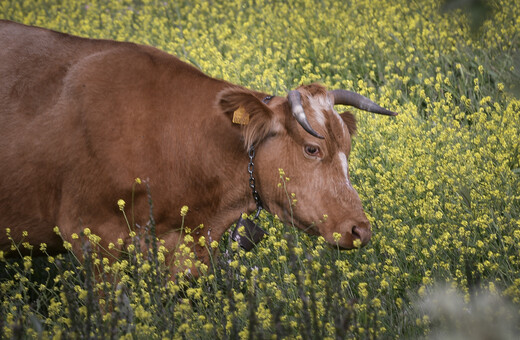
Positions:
{"x": 353, "y": 235}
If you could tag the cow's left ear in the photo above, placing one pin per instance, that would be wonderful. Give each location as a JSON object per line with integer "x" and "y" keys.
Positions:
{"x": 243, "y": 108}
{"x": 350, "y": 121}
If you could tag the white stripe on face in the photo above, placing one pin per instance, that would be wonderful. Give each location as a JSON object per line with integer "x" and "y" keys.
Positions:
{"x": 344, "y": 165}
{"x": 318, "y": 105}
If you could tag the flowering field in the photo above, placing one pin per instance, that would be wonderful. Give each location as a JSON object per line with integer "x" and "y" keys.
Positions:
{"x": 440, "y": 183}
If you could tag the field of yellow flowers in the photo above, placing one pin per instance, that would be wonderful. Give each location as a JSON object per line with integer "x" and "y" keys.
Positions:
{"x": 440, "y": 183}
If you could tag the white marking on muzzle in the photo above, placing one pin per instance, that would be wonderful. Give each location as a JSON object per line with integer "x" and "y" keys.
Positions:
{"x": 344, "y": 165}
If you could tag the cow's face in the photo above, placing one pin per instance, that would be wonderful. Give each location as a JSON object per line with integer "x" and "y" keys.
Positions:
{"x": 318, "y": 196}
{"x": 315, "y": 194}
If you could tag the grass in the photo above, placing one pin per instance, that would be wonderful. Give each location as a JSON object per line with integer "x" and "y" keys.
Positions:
{"x": 440, "y": 183}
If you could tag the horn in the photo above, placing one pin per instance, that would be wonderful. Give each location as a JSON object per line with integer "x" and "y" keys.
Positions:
{"x": 345, "y": 97}
{"x": 295, "y": 102}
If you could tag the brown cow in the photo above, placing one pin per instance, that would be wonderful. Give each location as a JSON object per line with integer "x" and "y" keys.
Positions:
{"x": 80, "y": 119}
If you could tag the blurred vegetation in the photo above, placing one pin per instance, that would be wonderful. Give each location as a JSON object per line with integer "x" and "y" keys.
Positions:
{"x": 478, "y": 12}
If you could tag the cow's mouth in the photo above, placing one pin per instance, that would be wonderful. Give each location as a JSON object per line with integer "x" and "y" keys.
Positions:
{"x": 357, "y": 233}
{"x": 310, "y": 229}
{"x": 337, "y": 246}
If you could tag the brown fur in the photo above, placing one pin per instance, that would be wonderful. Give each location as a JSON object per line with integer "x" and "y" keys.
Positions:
{"x": 80, "y": 119}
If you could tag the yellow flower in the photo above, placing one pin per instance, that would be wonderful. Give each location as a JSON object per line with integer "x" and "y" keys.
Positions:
{"x": 363, "y": 289}
{"x": 184, "y": 210}
{"x": 138, "y": 180}
{"x": 202, "y": 241}
{"x": 146, "y": 267}
{"x": 384, "y": 284}
{"x": 214, "y": 244}
{"x": 121, "y": 204}
{"x": 67, "y": 245}
{"x": 336, "y": 236}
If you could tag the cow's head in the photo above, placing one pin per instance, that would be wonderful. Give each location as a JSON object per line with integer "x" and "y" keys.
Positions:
{"x": 303, "y": 135}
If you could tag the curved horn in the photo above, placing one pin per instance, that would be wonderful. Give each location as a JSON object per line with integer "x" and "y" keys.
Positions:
{"x": 295, "y": 102}
{"x": 345, "y": 97}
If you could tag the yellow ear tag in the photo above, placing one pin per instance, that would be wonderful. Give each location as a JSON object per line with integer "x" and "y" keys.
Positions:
{"x": 240, "y": 116}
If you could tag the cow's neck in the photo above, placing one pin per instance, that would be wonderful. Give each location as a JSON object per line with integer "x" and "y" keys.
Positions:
{"x": 221, "y": 195}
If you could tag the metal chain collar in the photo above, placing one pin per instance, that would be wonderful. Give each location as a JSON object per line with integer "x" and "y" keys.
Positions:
{"x": 251, "y": 168}
{"x": 252, "y": 185}
{"x": 252, "y": 233}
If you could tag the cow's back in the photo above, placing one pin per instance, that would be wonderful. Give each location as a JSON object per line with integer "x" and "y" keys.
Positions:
{"x": 33, "y": 62}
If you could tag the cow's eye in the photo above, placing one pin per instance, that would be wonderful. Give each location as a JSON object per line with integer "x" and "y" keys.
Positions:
{"x": 312, "y": 150}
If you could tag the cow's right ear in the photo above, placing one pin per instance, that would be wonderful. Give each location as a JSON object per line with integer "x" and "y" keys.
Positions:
{"x": 243, "y": 108}
{"x": 350, "y": 121}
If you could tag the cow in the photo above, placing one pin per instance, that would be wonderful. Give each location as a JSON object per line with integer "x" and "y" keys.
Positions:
{"x": 81, "y": 119}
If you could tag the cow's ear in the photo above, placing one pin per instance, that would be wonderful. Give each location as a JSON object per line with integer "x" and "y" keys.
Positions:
{"x": 243, "y": 108}
{"x": 350, "y": 121}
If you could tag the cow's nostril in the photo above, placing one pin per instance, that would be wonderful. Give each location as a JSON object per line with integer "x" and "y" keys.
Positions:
{"x": 355, "y": 233}
{"x": 362, "y": 234}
